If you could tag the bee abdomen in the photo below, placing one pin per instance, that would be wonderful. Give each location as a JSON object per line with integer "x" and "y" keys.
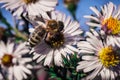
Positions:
{"x": 36, "y": 37}
{"x": 41, "y": 33}
{"x": 32, "y": 44}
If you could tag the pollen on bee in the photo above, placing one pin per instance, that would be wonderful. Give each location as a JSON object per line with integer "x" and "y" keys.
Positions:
{"x": 56, "y": 42}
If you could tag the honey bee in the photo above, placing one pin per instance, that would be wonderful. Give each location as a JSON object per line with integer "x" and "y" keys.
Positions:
{"x": 50, "y": 34}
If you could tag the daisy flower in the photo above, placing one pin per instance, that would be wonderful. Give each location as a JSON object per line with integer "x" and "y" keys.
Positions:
{"x": 32, "y": 7}
{"x": 13, "y": 64}
{"x": 99, "y": 57}
{"x": 108, "y": 19}
{"x": 65, "y": 32}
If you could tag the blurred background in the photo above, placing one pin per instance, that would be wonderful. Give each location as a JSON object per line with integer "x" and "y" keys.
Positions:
{"x": 81, "y": 10}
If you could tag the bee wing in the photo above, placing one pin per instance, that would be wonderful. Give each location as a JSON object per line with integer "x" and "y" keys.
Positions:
{"x": 36, "y": 21}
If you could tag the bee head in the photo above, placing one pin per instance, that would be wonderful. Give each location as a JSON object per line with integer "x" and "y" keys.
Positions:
{"x": 52, "y": 25}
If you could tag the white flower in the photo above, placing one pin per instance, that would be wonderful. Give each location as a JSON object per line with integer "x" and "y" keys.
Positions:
{"x": 51, "y": 51}
{"x": 108, "y": 19}
{"x": 13, "y": 65}
{"x": 99, "y": 57}
{"x": 32, "y": 7}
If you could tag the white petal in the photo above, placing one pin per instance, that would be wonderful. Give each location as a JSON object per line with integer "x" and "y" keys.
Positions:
{"x": 10, "y": 73}
{"x": 18, "y": 12}
{"x": 25, "y": 60}
{"x": 95, "y": 11}
{"x": 20, "y": 47}
{"x": 107, "y": 74}
{"x": 77, "y": 32}
{"x": 25, "y": 51}
{"x": 117, "y": 14}
{"x": 46, "y": 3}
{"x": 10, "y": 47}
{"x": 63, "y": 52}
{"x": 25, "y": 70}
{"x": 72, "y": 48}
{"x": 72, "y": 27}
{"x": 103, "y": 74}
{"x": 67, "y": 50}
{"x": 67, "y": 21}
{"x": 36, "y": 56}
{"x": 53, "y": 15}
{"x": 29, "y": 66}
{"x": 82, "y": 65}
{"x": 87, "y": 57}
{"x": 94, "y": 73}
{"x": 112, "y": 75}
{"x": 106, "y": 11}
{"x": 24, "y": 75}
{"x": 17, "y": 73}
{"x": 92, "y": 17}
{"x": 93, "y": 24}
{"x": 59, "y": 17}
{"x": 85, "y": 64}
{"x": 92, "y": 67}
{"x": 57, "y": 58}
{"x": 110, "y": 9}
{"x": 48, "y": 58}
{"x": 86, "y": 51}
{"x": 41, "y": 58}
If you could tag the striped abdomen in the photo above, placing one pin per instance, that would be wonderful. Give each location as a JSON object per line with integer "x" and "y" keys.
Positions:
{"x": 37, "y": 36}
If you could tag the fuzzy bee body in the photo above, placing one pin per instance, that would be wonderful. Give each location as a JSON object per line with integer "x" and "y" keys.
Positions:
{"x": 52, "y": 32}
{"x": 55, "y": 38}
{"x": 37, "y": 36}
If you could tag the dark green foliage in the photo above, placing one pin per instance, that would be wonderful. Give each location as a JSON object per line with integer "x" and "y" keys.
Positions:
{"x": 72, "y": 8}
{"x": 68, "y": 71}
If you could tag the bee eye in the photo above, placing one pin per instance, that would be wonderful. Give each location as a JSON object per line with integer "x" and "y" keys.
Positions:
{"x": 52, "y": 24}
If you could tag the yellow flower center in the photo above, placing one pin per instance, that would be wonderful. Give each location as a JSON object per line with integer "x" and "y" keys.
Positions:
{"x": 7, "y": 60}
{"x": 112, "y": 25}
{"x": 108, "y": 57}
{"x": 30, "y": 1}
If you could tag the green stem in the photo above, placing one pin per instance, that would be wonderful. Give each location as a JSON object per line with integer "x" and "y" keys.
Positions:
{"x": 19, "y": 34}
{"x": 72, "y": 8}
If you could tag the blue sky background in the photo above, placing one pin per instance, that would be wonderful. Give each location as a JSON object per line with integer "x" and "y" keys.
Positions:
{"x": 83, "y": 9}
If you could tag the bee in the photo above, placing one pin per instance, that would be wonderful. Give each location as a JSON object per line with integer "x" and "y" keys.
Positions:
{"x": 50, "y": 34}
